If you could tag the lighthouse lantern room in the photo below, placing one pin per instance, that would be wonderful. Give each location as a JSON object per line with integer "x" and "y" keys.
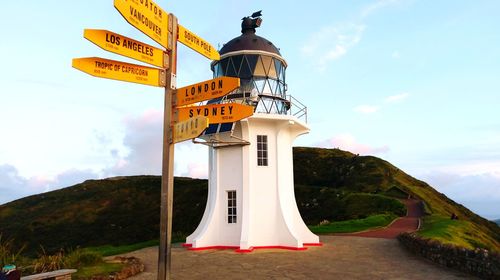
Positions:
{"x": 251, "y": 201}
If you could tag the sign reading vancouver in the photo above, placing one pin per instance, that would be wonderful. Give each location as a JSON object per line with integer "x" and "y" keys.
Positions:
{"x": 146, "y": 16}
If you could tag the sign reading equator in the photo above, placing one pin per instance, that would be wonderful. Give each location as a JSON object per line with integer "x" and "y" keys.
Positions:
{"x": 196, "y": 43}
{"x": 205, "y": 90}
{"x": 128, "y": 47}
{"x": 146, "y": 16}
{"x": 216, "y": 113}
{"x": 121, "y": 71}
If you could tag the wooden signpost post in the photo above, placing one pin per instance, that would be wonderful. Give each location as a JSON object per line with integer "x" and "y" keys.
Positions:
{"x": 179, "y": 123}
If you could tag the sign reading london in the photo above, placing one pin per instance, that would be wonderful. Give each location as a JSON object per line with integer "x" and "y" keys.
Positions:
{"x": 189, "y": 129}
{"x": 196, "y": 43}
{"x": 216, "y": 113}
{"x": 146, "y": 16}
{"x": 205, "y": 90}
{"x": 117, "y": 70}
{"x": 128, "y": 47}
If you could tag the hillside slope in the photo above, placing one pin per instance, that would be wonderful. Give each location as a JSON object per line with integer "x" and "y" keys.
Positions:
{"x": 330, "y": 185}
{"x": 340, "y": 170}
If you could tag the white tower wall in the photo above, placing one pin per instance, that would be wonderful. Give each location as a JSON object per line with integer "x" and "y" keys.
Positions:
{"x": 267, "y": 213}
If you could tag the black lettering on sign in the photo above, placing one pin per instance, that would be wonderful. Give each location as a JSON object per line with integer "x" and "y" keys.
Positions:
{"x": 145, "y": 20}
{"x": 111, "y": 38}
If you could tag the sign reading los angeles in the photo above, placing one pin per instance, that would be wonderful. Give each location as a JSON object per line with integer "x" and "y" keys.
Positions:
{"x": 146, "y": 16}
{"x": 128, "y": 47}
{"x": 196, "y": 43}
{"x": 205, "y": 90}
{"x": 189, "y": 129}
{"x": 216, "y": 113}
{"x": 121, "y": 71}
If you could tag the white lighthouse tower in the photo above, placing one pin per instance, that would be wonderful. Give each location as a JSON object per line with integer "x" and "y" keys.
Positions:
{"x": 251, "y": 201}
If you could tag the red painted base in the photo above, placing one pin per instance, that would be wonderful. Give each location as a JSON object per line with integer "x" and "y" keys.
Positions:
{"x": 249, "y": 250}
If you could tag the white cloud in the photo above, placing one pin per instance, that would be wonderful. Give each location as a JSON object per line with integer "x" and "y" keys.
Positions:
{"x": 366, "y": 109}
{"x": 332, "y": 42}
{"x": 346, "y": 141}
{"x": 480, "y": 192}
{"x": 397, "y": 97}
{"x": 375, "y": 6}
{"x": 14, "y": 186}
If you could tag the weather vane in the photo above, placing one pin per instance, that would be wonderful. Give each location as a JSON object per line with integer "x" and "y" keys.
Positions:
{"x": 251, "y": 22}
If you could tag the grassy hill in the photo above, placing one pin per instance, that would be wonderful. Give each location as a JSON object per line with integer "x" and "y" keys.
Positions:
{"x": 330, "y": 185}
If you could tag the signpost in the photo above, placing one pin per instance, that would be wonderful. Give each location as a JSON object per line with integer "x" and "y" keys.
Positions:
{"x": 146, "y": 16}
{"x": 128, "y": 47}
{"x": 196, "y": 43}
{"x": 189, "y": 129}
{"x": 190, "y": 122}
{"x": 121, "y": 71}
{"x": 205, "y": 90}
{"x": 216, "y": 113}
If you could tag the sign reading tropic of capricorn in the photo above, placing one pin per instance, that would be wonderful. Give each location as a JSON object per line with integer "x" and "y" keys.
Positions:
{"x": 121, "y": 71}
{"x": 190, "y": 122}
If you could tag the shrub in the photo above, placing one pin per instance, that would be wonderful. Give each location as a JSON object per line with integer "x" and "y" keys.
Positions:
{"x": 8, "y": 255}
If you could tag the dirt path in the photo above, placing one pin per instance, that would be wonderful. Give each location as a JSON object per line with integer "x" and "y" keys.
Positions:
{"x": 341, "y": 257}
{"x": 403, "y": 224}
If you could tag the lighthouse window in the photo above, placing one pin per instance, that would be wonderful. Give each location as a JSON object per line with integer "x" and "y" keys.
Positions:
{"x": 231, "y": 207}
{"x": 262, "y": 150}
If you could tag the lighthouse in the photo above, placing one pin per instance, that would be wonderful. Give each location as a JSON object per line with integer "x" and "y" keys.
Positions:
{"x": 251, "y": 201}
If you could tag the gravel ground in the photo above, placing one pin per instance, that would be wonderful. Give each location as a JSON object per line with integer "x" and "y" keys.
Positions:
{"x": 340, "y": 257}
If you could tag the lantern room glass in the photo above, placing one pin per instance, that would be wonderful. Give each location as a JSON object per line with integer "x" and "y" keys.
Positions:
{"x": 262, "y": 81}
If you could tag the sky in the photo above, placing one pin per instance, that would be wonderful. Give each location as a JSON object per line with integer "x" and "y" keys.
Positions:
{"x": 414, "y": 82}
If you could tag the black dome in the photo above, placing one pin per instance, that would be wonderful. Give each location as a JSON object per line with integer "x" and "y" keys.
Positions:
{"x": 249, "y": 41}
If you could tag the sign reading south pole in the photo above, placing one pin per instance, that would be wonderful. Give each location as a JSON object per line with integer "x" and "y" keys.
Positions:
{"x": 121, "y": 71}
{"x": 146, "y": 16}
{"x": 205, "y": 90}
{"x": 196, "y": 43}
{"x": 128, "y": 47}
{"x": 216, "y": 113}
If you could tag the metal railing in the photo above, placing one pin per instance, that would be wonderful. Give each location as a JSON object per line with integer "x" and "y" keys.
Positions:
{"x": 297, "y": 109}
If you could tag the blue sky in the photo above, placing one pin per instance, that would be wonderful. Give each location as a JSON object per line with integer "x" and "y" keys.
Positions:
{"x": 413, "y": 82}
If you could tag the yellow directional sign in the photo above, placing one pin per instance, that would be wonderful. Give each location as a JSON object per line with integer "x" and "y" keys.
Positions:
{"x": 189, "y": 129}
{"x": 128, "y": 47}
{"x": 205, "y": 90}
{"x": 146, "y": 16}
{"x": 196, "y": 43}
{"x": 216, "y": 113}
{"x": 117, "y": 70}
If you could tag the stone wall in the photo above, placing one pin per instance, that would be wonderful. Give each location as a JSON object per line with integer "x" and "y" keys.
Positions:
{"x": 479, "y": 262}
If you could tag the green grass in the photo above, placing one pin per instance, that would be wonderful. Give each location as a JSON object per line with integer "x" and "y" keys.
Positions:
{"x": 375, "y": 221}
{"x": 110, "y": 250}
{"x": 457, "y": 232}
{"x": 103, "y": 268}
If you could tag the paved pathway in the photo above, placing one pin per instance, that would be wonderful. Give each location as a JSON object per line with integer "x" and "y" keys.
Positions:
{"x": 403, "y": 224}
{"x": 341, "y": 257}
